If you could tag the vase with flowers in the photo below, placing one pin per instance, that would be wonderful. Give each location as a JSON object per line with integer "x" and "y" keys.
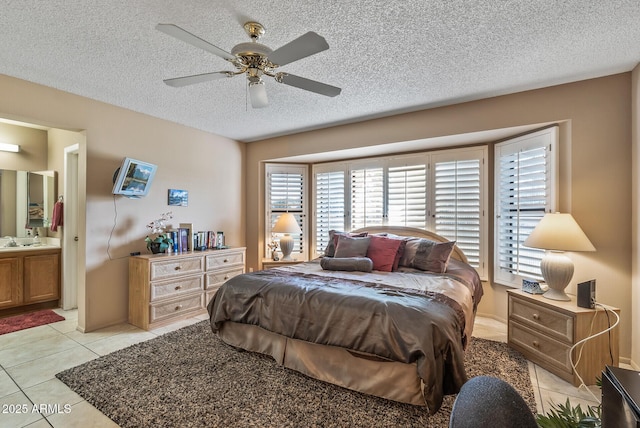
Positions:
{"x": 160, "y": 241}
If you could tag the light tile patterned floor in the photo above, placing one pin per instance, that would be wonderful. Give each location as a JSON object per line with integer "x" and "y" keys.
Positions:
{"x": 29, "y": 360}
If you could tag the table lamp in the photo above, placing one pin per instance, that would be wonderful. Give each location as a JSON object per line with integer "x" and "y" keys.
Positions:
{"x": 286, "y": 224}
{"x": 557, "y": 233}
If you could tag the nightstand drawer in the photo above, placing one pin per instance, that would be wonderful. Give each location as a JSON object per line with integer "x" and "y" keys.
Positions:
{"x": 172, "y": 308}
{"x": 540, "y": 348}
{"x": 547, "y": 321}
{"x": 168, "y": 289}
{"x": 171, "y": 268}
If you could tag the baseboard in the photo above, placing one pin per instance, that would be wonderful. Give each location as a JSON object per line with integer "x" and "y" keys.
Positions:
{"x": 492, "y": 316}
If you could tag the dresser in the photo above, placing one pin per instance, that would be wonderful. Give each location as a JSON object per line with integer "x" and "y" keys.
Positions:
{"x": 544, "y": 330}
{"x": 167, "y": 287}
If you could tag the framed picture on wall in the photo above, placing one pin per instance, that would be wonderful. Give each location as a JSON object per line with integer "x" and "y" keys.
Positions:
{"x": 179, "y": 198}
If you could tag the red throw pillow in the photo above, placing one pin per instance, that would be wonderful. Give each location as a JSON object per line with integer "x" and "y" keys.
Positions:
{"x": 383, "y": 252}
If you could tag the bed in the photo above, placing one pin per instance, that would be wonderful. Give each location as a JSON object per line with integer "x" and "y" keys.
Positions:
{"x": 398, "y": 334}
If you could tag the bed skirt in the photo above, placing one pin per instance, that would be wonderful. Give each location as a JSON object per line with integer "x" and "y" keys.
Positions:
{"x": 365, "y": 373}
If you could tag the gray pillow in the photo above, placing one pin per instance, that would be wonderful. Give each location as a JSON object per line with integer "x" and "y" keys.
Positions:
{"x": 330, "y": 250}
{"x": 360, "y": 264}
{"x": 433, "y": 256}
{"x": 352, "y": 247}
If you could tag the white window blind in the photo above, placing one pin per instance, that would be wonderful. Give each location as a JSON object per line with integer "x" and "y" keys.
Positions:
{"x": 525, "y": 190}
{"x": 329, "y": 206}
{"x": 286, "y": 193}
{"x": 407, "y": 195}
{"x": 458, "y": 208}
{"x": 367, "y": 197}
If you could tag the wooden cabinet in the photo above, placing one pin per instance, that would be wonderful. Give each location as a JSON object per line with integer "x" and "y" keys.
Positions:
{"x": 28, "y": 277}
{"x": 269, "y": 264}
{"x": 167, "y": 287}
{"x": 544, "y": 331}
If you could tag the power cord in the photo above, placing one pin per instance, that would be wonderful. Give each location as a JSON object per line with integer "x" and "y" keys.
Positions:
{"x": 581, "y": 342}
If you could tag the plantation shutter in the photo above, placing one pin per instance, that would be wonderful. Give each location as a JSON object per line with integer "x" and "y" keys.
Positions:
{"x": 525, "y": 191}
{"x": 330, "y": 206}
{"x": 367, "y": 197}
{"x": 407, "y": 195}
{"x": 286, "y": 193}
{"x": 458, "y": 208}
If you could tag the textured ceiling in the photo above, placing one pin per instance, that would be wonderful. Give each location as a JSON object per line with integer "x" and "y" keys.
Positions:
{"x": 387, "y": 56}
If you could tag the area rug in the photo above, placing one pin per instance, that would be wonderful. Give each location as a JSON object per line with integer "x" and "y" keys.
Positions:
{"x": 190, "y": 378}
{"x": 31, "y": 319}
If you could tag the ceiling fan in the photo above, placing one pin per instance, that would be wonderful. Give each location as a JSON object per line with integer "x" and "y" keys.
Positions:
{"x": 256, "y": 60}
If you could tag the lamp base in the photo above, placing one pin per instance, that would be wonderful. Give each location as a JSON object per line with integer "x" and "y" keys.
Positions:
{"x": 286, "y": 245}
{"x": 556, "y": 295}
{"x": 557, "y": 271}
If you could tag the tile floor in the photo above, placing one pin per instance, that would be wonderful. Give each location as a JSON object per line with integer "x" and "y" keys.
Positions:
{"x": 29, "y": 360}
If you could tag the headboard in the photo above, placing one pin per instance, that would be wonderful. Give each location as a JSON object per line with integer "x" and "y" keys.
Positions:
{"x": 415, "y": 232}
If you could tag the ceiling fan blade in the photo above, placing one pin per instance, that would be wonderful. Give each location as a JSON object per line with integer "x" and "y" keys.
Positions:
{"x": 187, "y": 37}
{"x": 178, "y": 82}
{"x": 309, "y": 85}
{"x": 258, "y": 95}
{"x": 302, "y": 47}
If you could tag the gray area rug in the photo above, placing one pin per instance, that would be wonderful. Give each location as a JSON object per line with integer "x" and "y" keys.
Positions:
{"x": 190, "y": 378}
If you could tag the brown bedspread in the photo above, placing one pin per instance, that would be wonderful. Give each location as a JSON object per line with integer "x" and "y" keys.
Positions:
{"x": 374, "y": 314}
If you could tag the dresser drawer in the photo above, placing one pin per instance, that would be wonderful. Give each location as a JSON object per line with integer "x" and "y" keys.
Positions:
{"x": 174, "y": 288}
{"x": 172, "y": 268}
{"x": 175, "y": 307}
{"x": 547, "y": 321}
{"x": 216, "y": 261}
{"x": 539, "y": 348}
{"x": 216, "y": 279}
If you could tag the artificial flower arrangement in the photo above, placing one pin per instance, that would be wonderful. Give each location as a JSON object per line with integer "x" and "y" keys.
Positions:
{"x": 273, "y": 246}
{"x": 161, "y": 241}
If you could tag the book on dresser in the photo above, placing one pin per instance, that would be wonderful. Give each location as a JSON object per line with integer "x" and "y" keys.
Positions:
{"x": 167, "y": 287}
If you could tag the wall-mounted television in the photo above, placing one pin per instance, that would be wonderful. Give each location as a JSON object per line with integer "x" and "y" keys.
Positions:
{"x": 133, "y": 178}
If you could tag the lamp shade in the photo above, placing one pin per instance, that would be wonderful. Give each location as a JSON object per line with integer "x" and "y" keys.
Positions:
{"x": 559, "y": 232}
{"x": 286, "y": 224}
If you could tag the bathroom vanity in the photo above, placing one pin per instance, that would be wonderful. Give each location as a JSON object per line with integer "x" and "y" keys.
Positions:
{"x": 29, "y": 278}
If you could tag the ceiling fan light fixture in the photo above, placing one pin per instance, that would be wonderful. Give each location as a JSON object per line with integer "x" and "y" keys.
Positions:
{"x": 258, "y": 94}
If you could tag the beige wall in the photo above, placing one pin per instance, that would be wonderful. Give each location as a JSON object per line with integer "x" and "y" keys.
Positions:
{"x": 210, "y": 167}
{"x": 33, "y": 148}
{"x": 596, "y": 171}
{"x": 635, "y": 295}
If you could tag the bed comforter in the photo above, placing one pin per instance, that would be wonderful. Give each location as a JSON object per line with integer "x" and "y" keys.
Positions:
{"x": 408, "y": 316}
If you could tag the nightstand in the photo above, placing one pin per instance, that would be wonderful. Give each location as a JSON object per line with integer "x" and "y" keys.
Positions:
{"x": 544, "y": 330}
{"x": 270, "y": 264}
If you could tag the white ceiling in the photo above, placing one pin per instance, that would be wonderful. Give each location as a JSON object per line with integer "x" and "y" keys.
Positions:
{"x": 387, "y": 56}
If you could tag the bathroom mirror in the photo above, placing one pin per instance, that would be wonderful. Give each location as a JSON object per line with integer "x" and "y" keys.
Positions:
{"x": 26, "y": 200}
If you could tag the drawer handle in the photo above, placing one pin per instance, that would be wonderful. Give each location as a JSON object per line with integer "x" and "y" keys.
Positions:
{"x": 178, "y": 287}
{"x": 536, "y": 344}
{"x": 536, "y": 317}
{"x": 225, "y": 260}
{"x": 177, "y": 268}
{"x": 178, "y": 307}
{"x": 226, "y": 277}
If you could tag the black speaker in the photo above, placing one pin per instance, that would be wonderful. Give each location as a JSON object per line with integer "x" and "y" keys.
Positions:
{"x": 587, "y": 294}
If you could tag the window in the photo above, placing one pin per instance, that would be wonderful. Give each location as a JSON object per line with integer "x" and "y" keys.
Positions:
{"x": 403, "y": 191}
{"x": 330, "y": 205}
{"x": 285, "y": 192}
{"x": 367, "y": 196}
{"x": 525, "y": 189}
{"x": 459, "y": 202}
{"x": 407, "y": 193}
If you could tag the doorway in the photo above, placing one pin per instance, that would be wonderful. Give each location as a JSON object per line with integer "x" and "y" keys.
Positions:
{"x": 70, "y": 236}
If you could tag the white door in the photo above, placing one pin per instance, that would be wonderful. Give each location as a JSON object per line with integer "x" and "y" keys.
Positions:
{"x": 70, "y": 236}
